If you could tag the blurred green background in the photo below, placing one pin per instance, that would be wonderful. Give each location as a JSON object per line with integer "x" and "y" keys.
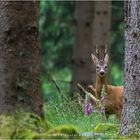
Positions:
{"x": 57, "y": 29}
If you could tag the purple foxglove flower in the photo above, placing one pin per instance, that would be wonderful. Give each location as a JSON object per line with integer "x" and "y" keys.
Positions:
{"x": 102, "y": 97}
{"x": 88, "y": 112}
{"x": 102, "y": 110}
{"x": 87, "y": 109}
{"x": 91, "y": 107}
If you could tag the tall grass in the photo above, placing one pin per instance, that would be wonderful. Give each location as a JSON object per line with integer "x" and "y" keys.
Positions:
{"x": 62, "y": 112}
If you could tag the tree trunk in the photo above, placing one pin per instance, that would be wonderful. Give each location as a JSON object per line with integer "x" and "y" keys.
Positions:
{"x": 101, "y": 23}
{"x": 19, "y": 59}
{"x": 92, "y": 27}
{"x": 130, "y": 123}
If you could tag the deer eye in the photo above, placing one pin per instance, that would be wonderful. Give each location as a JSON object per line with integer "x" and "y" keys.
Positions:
{"x": 105, "y": 67}
{"x": 97, "y": 67}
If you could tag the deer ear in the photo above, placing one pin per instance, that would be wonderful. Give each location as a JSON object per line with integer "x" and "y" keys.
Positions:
{"x": 106, "y": 58}
{"x": 94, "y": 58}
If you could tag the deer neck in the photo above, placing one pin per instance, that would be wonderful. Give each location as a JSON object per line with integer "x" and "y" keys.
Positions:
{"x": 100, "y": 81}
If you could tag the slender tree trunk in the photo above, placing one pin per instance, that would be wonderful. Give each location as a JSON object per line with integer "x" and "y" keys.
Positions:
{"x": 19, "y": 57}
{"x": 92, "y": 27}
{"x": 101, "y": 23}
{"x": 130, "y": 123}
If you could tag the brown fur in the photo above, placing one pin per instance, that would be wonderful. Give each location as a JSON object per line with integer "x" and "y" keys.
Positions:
{"x": 113, "y": 101}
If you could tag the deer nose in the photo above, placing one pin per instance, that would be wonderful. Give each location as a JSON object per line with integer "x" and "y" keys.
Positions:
{"x": 102, "y": 73}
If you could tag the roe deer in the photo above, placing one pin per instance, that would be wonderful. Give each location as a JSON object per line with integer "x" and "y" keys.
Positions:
{"x": 113, "y": 101}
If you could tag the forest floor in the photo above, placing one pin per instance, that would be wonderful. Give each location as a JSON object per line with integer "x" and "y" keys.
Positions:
{"x": 60, "y": 112}
{"x": 63, "y": 120}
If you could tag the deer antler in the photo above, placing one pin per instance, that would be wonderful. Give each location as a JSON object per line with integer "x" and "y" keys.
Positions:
{"x": 97, "y": 52}
{"x": 105, "y": 50}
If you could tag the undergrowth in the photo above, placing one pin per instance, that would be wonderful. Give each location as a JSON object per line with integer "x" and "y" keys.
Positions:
{"x": 62, "y": 112}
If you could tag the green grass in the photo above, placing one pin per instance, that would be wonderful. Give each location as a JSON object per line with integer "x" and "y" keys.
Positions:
{"x": 61, "y": 112}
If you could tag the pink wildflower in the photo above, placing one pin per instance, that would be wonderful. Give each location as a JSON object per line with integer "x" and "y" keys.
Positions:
{"x": 88, "y": 108}
{"x": 102, "y": 110}
{"x": 102, "y": 97}
{"x": 91, "y": 107}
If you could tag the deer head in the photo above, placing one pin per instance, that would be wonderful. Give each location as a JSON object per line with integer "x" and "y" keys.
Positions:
{"x": 101, "y": 64}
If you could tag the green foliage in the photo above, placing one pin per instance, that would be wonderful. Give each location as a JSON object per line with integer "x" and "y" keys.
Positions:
{"x": 117, "y": 43}
{"x": 116, "y": 75}
{"x": 62, "y": 78}
{"x": 56, "y": 33}
{"x": 117, "y": 34}
{"x": 62, "y": 112}
{"x": 57, "y": 39}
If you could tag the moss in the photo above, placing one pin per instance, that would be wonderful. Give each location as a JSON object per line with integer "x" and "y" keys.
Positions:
{"x": 7, "y": 126}
{"x": 22, "y": 134}
{"x": 109, "y": 131}
{"x": 106, "y": 128}
{"x": 30, "y": 126}
{"x": 124, "y": 138}
{"x": 52, "y": 136}
{"x": 66, "y": 130}
{"x": 106, "y": 131}
{"x": 21, "y": 125}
